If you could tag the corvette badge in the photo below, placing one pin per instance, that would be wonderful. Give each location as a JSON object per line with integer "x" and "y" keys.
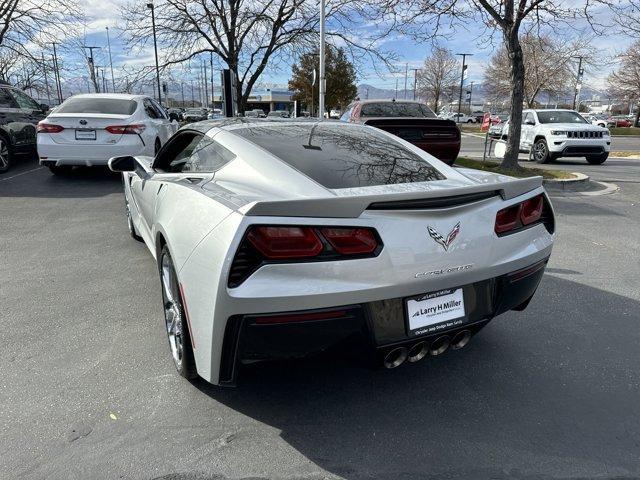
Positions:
{"x": 445, "y": 242}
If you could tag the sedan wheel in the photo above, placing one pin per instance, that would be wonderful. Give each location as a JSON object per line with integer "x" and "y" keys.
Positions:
{"x": 175, "y": 320}
{"x": 5, "y": 155}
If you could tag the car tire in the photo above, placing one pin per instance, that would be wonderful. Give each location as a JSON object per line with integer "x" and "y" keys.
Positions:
{"x": 597, "y": 159}
{"x": 132, "y": 228}
{"x": 469, "y": 121}
{"x": 540, "y": 151}
{"x": 176, "y": 324}
{"x": 6, "y": 154}
{"x": 60, "y": 169}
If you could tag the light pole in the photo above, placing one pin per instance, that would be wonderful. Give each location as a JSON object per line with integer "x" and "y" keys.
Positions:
{"x": 464, "y": 67}
{"x": 415, "y": 81}
{"x": 322, "y": 79}
{"x": 150, "y": 6}
{"x": 113, "y": 82}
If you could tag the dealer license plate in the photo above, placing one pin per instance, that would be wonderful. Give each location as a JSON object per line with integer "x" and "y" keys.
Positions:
{"x": 436, "y": 311}
{"x": 85, "y": 134}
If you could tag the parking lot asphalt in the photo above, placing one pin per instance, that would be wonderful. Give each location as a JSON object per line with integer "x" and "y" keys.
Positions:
{"x": 88, "y": 389}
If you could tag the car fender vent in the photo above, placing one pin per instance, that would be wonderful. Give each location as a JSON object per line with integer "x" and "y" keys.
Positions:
{"x": 427, "y": 203}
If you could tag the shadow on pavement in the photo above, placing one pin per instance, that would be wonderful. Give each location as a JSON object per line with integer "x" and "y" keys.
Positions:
{"x": 81, "y": 182}
{"x": 551, "y": 392}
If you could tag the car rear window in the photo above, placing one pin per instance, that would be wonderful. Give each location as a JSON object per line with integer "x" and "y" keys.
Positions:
{"x": 341, "y": 156}
{"x": 112, "y": 106}
{"x": 396, "y": 109}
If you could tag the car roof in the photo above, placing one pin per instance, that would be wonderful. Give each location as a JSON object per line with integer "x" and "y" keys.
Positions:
{"x": 118, "y": 96}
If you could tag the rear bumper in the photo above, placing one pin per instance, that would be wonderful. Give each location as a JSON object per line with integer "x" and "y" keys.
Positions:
{"x": 57, "y": 154}
{"x": 377, "y": 325}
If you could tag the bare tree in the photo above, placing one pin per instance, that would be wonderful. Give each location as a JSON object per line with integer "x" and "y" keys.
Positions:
{"x": 25, "y": 23}
{"x": 625, "y": 82}
{"x": 548, "y": 67}
{"x": 438, "y": 76}
{"x": 428, "y": 19}
{"x": 246, "y": 35}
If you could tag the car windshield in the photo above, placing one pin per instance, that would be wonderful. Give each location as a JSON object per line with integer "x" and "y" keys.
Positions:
{"x": 396, "y": 109}
{"x": 560, "y": 116}
{"x": 342, "y": 157}
{"x": 112, "y": 106}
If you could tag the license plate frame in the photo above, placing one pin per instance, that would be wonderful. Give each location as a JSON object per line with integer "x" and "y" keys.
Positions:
{"x": 426, "y": 323}
{"x": 85, "y": 134}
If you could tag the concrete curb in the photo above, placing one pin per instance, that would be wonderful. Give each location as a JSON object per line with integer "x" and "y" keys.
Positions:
{"x": 580, "y": 182}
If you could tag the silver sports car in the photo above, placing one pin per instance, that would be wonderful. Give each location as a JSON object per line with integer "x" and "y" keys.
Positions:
{"x": 280, "y": 239}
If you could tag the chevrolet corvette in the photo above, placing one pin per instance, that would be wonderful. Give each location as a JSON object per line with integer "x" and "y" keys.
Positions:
{"x": 283, "y": 238}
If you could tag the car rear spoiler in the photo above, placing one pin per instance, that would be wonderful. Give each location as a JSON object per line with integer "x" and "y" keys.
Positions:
{"x": 353, "y": 206}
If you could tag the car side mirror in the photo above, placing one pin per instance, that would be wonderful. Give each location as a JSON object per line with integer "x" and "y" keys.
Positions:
{"x": 530, "y": 122}
{"x": 126, "y": 163}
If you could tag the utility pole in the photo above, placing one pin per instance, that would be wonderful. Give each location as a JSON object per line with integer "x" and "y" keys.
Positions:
{"x": 206, "y": 89}
{"x": 192, "y": 98}
{"x": 57, "y": 74}
{"x": 92, "y": 67}
{"x": 182, "y": 89}
{"x": 470, "y": 92}
{"x": 464, "y": 68}
{"x": 415, "y": 81}
{"x": 406, "y": 74}
{"x": 155, "y": 48}
{"x": 396, "y": 95}
{"x": 113, "y": 82}
{"x": 322, "y": 59}
{"x": 213, "y": 105}
{"x": 578, "y": 81}
{"x": 46, "y": 79}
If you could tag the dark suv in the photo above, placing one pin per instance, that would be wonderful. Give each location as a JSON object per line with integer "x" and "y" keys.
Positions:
{"x": 19, "y": 115}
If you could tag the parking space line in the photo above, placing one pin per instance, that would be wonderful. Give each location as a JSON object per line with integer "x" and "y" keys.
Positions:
{"x": 21, "y": 173}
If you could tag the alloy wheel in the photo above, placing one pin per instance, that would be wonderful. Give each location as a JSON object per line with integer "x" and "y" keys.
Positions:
{"x": 540, "y": 151}
{"x": 172, "y": 310}
{"x": 4, "y": 154}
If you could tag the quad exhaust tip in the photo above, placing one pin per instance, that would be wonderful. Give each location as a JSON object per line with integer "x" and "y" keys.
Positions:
{"x": 395, "y": 357}
{"x": 460, "y": 339}
{"x": 417, "y": 352}
{"x": 439, "y": 345}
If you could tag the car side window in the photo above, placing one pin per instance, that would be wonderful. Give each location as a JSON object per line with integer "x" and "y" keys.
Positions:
{"x": 6, "y": 100}
{"x": 528, "y": 118}
{"x": 207, "y": 156}
{"x": 25, "y": 101}
{"x": 160, "y": 111}
{"x": 347, "y": 114}
{"x": 150, "y": 109}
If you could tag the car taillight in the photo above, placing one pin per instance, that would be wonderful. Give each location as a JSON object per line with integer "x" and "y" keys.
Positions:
{"x": 350, "y": 241}
{"x": 48, "y": 128}
{"x": 285, "y": 242}
{"x": 523, "y": 214}
{"x": 264, "y": 244}
{"x": 531, "y": 210}
{"x": 125, "y": 129}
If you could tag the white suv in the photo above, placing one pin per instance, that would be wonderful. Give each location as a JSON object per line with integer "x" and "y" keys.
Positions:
{"x": 550, "y": 134}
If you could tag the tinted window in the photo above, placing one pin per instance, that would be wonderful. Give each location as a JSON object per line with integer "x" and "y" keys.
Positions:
{"x": 111, "y": 106}
{"x": 158, "y": 108}
{"x": 25, "y": 101}
{"x": 6, "y": 100}
{"x": 557, "y": 116}
{"x": 339, "y": 156}
{"x": 149, "y": 109}
{"x": 396, "y": 109}
{"x": 528, "y": 118}
{"x": 207, "y": 156}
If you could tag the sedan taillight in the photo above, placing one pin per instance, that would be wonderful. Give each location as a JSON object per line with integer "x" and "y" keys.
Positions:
{"x": 48, "y": 128}
{"x": 523, "y": 214}
{"x": 126, "y": 129}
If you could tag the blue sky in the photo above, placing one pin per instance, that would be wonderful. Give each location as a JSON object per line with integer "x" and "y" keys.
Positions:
{"x": 103, "y": 13}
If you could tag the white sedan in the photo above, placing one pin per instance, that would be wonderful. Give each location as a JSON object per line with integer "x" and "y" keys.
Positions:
{"x": 89, "y": 129}
{"x": 281, "y": 239}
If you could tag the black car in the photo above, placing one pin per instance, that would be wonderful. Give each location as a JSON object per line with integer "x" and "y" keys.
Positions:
{"x": 19, "y": 115}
